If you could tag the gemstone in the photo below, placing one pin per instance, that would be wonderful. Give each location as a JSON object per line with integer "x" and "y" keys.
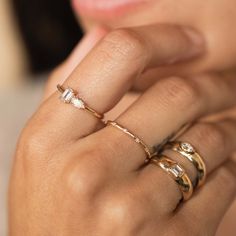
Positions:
{"x": 67, "y": 95}
{"x": 176, "y": 170}
{"x": 187, "y": 147}
{"x": 78, "y": 103}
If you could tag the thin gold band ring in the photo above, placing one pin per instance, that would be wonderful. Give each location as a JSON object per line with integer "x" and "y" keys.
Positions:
{"x": 144, "y": 146}
{"x": 69, "y": 96}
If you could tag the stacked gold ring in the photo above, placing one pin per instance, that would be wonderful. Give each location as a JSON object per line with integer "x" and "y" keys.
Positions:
{"x": 177, "y": 172}
{"x": 188, "y": 151}
{"x": 143, "y": 145}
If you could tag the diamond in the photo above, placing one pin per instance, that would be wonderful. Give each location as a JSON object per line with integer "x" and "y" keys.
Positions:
{"x": 78, "y": 103}
{"x": 176, "y": 170}
{"x": 187, "y": 147}
{"x": 67, "y": 95}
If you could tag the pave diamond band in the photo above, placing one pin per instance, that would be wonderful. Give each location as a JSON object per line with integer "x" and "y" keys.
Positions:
{"x": 69, "y": 96}
{"x": 177, "y": 172}
{"x": 188, "y": 151}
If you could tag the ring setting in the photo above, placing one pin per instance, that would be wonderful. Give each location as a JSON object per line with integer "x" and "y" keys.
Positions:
{"x": 187, "y": 151}
{"x": 177, "y": 172}
{"x": 187, "y": 147}
{"x": 69, "y": 96}
{"x": 175, "y": 169}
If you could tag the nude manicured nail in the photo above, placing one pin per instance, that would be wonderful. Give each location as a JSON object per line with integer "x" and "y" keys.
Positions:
{"x": 197, "y": 40}
{"x": 192, "y": 46}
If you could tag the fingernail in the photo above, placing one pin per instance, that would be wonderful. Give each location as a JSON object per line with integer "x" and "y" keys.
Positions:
{"x": 197, "y": 42}
{"x": 191, "y": 48}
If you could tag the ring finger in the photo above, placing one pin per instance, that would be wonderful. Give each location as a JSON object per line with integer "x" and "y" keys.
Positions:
{"x": 163, "y": 109}
{"x": 214, "y": 141}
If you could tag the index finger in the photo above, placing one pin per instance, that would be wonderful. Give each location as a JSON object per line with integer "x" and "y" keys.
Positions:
{"x": 109, "y": 70}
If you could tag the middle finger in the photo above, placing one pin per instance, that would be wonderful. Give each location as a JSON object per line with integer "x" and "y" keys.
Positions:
{"x": 163, "y": 109}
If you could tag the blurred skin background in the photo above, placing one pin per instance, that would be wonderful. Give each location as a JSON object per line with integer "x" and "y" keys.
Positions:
{"x": 35, "y": 36}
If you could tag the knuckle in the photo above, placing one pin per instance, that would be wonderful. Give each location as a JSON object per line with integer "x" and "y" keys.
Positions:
{"x": 33, "y": 154}
{"x": 180, "y": 92}
{"x": 126, "y": 43}
{"x": 34, "y": 144}
{"x": 86, "y": 178}
{"x": 122, "y": 209}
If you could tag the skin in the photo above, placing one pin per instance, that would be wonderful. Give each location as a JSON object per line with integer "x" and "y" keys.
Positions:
{"x": 214, "y": 19}
{"x": 73, "y": 179}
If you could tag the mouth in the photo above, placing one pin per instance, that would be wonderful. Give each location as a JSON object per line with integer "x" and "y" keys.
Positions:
{"x": 105, "y": 9}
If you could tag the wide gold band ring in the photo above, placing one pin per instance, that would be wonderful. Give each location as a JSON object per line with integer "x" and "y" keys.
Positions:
{"x": 70, "y": 96}
{"x": 148, "y": 150}
{"x": 177, "y": 172}
{"x": 188, "y": 151}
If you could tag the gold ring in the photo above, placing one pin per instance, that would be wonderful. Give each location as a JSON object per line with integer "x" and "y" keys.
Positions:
{"x": 188, "y": 151}
{"x": 69, "y": 96}
{"x": 145, "y": 147}
{"x": 177, "y": 172}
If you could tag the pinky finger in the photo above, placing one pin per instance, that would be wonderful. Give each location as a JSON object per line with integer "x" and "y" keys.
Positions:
{"x": 208, "y": 207}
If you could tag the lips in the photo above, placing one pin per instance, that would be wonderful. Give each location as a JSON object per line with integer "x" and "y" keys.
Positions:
{"x": 105, "y": 8}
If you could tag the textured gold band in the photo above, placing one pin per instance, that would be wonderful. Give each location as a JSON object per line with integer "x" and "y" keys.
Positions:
{"x": 188, "y": 151}
{"x": 72, "y": 98}
{"x": 145, "y": 147}
{"x": 177, "y": 172}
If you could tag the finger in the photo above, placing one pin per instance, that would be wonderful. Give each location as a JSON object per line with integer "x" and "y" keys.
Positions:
{"x": 213, "y": 141}
{"x": 108, "y": 71}
{"x": 206, "y": 209}
{"x": 81, "y": 50}
{"x": 166, "y": 107}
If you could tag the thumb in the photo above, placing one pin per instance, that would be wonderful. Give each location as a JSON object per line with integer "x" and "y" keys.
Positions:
{"x": 80, "y": 51}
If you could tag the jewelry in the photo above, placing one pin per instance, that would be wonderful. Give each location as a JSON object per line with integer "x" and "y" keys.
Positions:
{"x": 177, "y": 172}
{"x": 158, "y": 148}
{"x": 188, "y": 151}
{"x": 69, "y": 96}
{"x": 145, "y": 147}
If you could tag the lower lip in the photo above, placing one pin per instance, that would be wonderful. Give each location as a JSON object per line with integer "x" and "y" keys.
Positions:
{"x": 105, "y": 8}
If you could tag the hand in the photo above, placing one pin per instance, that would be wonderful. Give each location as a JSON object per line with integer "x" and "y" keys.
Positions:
{"x": 73, "y": 176}
{"x": 175, "y": 45}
